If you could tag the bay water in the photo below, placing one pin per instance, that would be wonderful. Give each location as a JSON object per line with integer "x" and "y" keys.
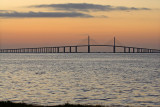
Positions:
{"x": 80, "y": 78}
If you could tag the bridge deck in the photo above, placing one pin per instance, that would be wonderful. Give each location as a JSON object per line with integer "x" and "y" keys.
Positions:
{"x": 126, "y": 49}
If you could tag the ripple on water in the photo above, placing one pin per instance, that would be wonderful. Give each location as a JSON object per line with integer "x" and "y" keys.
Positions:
{"x": 107, "y": 79}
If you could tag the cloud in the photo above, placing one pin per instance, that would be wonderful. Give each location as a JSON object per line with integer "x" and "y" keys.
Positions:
{"x": 4, "y": 11}
{"x": 87, "y": 7}
{"x": 43, "y": 14}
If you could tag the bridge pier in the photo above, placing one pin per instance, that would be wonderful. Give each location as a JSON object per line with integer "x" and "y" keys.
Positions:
{"x": 57, "y": 49}
{"x": 88, "y": 48}
{"x": 114, "y": 46}
{"x": 76, "y": 50}
{"x": 150, "y": 50}
{"x": 28, "y": 50}
{"x": 40, "y": 50}
{"x": 33, "y": 50}
{"x": 43, "y": 50}
{"x": 50, "y": 50}
{"x": 137, "y": 50}
{"x": 54, "y": 50}
{"x": 133, "y": 50}
{"x": 70, "y": 49}
{"x": 37, "y": 50}
{"x": 129, "y": 50}
{"x": 64, "y": 49}
{"x": 46, "y": 49}
{"x": 124, "y": 49}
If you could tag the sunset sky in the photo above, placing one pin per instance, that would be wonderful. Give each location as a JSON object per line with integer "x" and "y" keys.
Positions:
{"x": 36, "y": 23}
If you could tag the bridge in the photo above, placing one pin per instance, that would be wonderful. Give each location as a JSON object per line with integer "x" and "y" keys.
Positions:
{"x": 75, "y": 49}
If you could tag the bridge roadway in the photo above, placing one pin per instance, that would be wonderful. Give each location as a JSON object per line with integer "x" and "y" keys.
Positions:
{"x": 56, "y": 49}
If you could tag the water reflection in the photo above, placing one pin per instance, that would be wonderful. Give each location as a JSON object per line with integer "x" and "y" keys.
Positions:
{"x": 51, "y": 79}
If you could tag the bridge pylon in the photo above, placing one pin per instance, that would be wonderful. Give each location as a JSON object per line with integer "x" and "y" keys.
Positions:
{"x": 114, "y": 45}
{"x": 88, "y": 44}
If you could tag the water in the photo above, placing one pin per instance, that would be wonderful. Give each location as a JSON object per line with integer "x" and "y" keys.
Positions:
{"x": 105, "y": 79}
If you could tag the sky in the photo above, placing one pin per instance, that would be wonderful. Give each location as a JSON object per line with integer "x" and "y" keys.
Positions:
{"x": 40, "y": 23}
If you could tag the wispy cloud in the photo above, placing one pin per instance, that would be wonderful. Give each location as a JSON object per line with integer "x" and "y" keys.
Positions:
{"x": 6, "y": 11}
{"x": 31, "y": 14}
{"x": 87, "y": 7}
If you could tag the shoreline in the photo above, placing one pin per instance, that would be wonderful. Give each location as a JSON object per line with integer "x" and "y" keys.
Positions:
{"x": 12, "y": 104}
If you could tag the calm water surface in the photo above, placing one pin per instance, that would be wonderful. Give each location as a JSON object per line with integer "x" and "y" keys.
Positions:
{"x": 105, "y": 79}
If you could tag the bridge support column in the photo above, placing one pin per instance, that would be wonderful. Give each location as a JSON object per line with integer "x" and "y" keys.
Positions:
{"x": 54, "y": 50}
{"x": 124, "y": 49}
{"x": 64, "y": 49}
{"x": 133, "y": 50}
{"x": 114, "y": 49}
{"x": 51, "y": 49}
{"x": 46, "y": 50}
{"x": 57, "y": 49}
{"x": 150, "y": 50}
{"x": 31, "y": 50}
{"x": 34, "y": 50}
{"x": 114, "y": 45}
{"x": 139, "y": 50}
{"x": 43, "y": 50}
{"x": 76, "y": 50}
{"x": 129, "y": 49}
{"x": 88, "y": 48}
{"x": 70, "y": 49}
{"x": 38, "y": 50}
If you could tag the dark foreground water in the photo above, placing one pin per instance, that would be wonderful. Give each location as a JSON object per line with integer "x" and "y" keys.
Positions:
{"x": 104, "y": 79}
